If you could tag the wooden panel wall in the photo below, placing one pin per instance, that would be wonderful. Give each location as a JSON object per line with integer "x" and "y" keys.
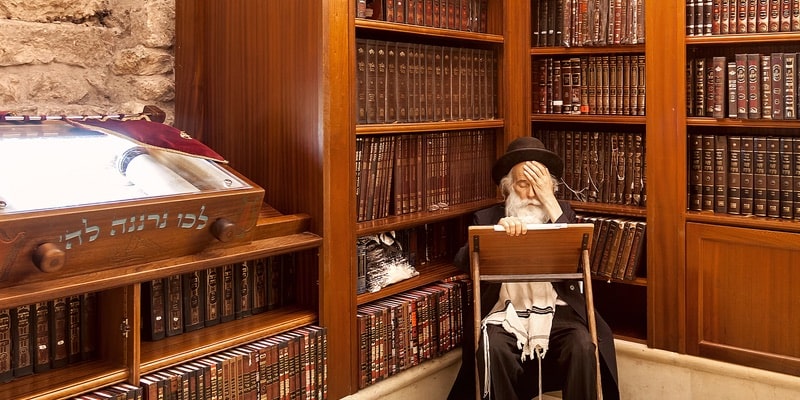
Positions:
{"x": 742, "y": 285}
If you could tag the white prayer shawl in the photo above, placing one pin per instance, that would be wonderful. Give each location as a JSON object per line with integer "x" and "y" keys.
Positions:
{"x": 524, "y": 309}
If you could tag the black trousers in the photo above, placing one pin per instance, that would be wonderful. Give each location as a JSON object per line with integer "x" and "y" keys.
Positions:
{"x": 569, "y": 364}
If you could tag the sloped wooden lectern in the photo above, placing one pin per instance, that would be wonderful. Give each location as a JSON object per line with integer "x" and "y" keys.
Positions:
{"x": 546, "y": 253}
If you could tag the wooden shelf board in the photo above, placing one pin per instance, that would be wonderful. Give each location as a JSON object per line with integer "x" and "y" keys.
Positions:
{"x": 64, "y": 382}
{"x": 560, "y": 50}
{"x": 382, "y": 129}
{"x": 590, "y": 119}
{"x": 425, "y": 217}
{"x": 744, "y": 221}
{"x": 427, "y": 274}
{"x": 115, "y": 277}
{"x": 742, "y": 123}
{"x": 617, "y": 209}
{"x": 206, "y": 341}
{"x": 394, "y": 27}
{"x": 738, "y": 39}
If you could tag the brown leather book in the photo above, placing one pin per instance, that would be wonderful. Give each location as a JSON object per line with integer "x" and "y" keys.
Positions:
{"x": 6, "y": 355}
{"x": 734, "y": 174}
{"x": 773, "y": 160}
{"x": 786, "y": 185}
{"x": 760, "y": 176}
{"x": 707, "y": 175}
{"x": 194, "y": 300}
{"x": 790, "y": 85}
{"x": 766, "y": 86}
{"x": 637, "y": 251}
{"x": 753, "y": 86}
{"x": 746, "y": 158}
{"x": 243, "y": 290}
{"x": 59, "y": 356}
{"x": 213, "y": 296}
{"x": 721, "y": 174}
{"x": 173, "y": 304}
{"x": 22, "y": 338}
{"x": 718, "y": 74}
{"x": 391, "y": 82}
{"x": 153, "y": 310}
{"x": 41, "y": 336}
{"x": 695, "y": 172}
{"x": 361, "y": 81}
{"x": 774, "y": 20}
{"x": 741, "y": 85}
{"x": 227, "y": 294}
{"x": 380, "y": 81}
{"x": 778, "y": 82}
{"x": 732, "y": 90}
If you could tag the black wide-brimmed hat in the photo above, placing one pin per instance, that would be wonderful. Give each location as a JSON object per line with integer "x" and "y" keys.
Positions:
{"x": 526, "y": 148}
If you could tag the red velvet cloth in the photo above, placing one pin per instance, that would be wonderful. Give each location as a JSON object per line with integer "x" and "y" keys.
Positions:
{"x": 148, "y": 133}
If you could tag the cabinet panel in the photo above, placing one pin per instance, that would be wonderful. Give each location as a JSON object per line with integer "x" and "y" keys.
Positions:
{"x": 741, "y": 288}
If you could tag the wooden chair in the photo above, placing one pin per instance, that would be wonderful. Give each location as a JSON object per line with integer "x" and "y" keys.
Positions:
{"x": 546, "y": 253}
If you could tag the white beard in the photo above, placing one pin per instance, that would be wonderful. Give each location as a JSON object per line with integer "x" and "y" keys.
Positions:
{"x": 530, "y": 212}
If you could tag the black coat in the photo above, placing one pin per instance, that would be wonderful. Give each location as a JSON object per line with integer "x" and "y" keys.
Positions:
{"x": 568, "y": 291}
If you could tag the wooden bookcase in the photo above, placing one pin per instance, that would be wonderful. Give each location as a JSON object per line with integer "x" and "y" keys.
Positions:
{"x": 121, "y": 354}
{"x": 570, "y": 65}
{"x": 273, "y": 87}
{"x": 745, "y": 256}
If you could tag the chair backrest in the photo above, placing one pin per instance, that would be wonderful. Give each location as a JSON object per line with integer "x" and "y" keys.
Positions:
{"x": 546, "y": 252}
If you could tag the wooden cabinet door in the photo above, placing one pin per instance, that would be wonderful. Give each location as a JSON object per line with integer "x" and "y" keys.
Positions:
{"x": 742, "y": 297}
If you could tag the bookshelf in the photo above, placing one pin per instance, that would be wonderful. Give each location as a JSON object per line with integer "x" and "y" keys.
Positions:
{"x": 749, "y": 218}
{"x": 121, "y": 355}
{"x": 588, "y": 104}
{"x": 273, "y": 87}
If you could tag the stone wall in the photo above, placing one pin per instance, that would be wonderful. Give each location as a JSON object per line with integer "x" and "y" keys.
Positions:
{"x": 73, "y": 57}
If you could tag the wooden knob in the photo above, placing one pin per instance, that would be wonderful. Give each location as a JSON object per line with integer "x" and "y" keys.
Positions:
{"x": 48, "y": 257}
{"x": 222, "y": 229}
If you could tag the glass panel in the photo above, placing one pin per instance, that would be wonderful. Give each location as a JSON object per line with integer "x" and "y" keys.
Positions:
{"x": 54, "y": 165}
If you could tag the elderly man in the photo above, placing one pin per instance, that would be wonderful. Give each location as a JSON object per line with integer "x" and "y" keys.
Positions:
{"x": 507, "y": 363}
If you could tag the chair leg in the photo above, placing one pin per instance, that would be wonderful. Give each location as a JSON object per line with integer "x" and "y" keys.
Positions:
{"x": 476, "y": 315}
{"x": 587, "y": 282}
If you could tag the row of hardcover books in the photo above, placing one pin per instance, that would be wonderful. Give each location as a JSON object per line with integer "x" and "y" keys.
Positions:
{"x": 587, "y": 22}
{"x": 722, "y": 17}
{"x": 602, "y": 167}
{"x": 187, "y": 302}
{"x": 462, "y": 15}
{"x": 618, "y": 247}
{"x": 401, "y": 174}
{"x": 291, "y": 365}
{"x": 604, "y": 85}
{"x": 746, "y": 175}
{"x": 413, "y": 82}
{"x": 750, "y": 86}
{"x": 49, "y": 334}
{"x": 406, "y": 329}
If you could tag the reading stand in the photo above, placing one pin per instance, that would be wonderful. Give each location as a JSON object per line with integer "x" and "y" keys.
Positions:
{"x": 546, "y": 253}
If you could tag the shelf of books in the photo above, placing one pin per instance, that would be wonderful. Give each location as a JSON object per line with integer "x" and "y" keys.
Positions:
{"x": 103, "y": 331}
{"x": 428, "y": 126}
{"x": 743, "y": 158}
{"x": 742, "y": 114}
{"x": 588, "y": 105}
